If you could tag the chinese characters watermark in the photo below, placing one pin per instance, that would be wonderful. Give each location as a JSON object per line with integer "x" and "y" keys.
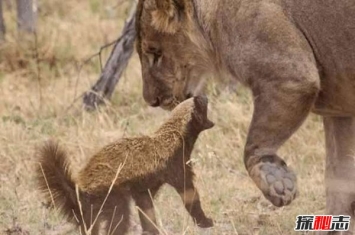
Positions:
{"x": 322, "y": 223}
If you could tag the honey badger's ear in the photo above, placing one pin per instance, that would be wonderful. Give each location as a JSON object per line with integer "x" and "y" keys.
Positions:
{"x": 167, "y": 17}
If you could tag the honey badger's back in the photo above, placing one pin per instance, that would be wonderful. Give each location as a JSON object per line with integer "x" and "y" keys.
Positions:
{"x": 131, "y": 157}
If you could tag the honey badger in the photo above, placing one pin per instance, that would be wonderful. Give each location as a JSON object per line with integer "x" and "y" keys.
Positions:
{"x": 147, "y": 163}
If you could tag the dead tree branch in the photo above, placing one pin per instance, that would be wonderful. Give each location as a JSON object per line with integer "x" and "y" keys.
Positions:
{"x": 26, "y": 16}
{"x": 114, "y": 67}
{"x": 2, "y": 24}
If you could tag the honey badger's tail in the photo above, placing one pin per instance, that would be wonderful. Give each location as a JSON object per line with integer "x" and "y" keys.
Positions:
{"x": 54, "y": 177}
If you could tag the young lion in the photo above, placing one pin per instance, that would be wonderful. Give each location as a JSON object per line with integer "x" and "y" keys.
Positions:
{"x": 296, "y": 56}
{"x": 147, "y": 163}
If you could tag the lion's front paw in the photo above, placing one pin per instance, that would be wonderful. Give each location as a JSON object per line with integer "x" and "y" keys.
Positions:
{"x": 277, "y": 182}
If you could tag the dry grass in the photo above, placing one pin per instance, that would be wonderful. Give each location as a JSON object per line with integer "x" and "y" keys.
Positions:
{"x": 34, "y": 108}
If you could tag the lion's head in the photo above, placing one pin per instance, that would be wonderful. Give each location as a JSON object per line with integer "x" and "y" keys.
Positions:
{"x": 172, "y": 50}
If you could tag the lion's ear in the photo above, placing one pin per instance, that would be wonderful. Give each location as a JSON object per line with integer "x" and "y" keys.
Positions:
{"x": 166, "y": 18}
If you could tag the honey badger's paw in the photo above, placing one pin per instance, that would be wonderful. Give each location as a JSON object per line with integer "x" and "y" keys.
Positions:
{"x": 205, "y": 223}
{"x": 277, "y": 182}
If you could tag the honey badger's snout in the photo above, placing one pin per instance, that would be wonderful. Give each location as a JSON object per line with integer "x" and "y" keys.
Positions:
{"x": 201, "y": 106}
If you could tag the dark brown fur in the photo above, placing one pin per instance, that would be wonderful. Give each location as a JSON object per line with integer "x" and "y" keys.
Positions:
{"x": 147, "y": 163}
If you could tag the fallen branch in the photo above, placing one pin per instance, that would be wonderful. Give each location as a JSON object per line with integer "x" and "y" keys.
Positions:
{"x": 114, "y": 67}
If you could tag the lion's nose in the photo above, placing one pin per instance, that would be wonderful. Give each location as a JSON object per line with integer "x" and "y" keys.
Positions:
{"x": 155, "y": 103}
{"x": 151, "y": 94}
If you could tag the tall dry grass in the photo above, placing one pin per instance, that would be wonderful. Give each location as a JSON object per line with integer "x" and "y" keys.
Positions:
{"x": 38, "y": 83}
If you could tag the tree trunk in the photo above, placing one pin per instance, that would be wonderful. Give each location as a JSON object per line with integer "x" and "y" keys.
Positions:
{"x": 2, "y": 23}
{"x": 26, "y": 16}
{"x": 114, "y": 67}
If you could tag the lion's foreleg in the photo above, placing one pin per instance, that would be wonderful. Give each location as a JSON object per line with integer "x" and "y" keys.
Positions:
{"x": 340, "y": 167}
{"x": 281, "y": 105}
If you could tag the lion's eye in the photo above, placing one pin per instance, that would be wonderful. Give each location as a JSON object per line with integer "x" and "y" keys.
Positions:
{"x": 154, "y": 55}
{"x": 153, "y": 50}
{"x": 156, "y": 58}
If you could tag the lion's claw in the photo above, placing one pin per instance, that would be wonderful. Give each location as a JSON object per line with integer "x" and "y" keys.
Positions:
{"x": 277, "y": 182}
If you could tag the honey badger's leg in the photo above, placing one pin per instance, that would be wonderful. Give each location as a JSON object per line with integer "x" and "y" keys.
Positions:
{"x": 283, "y": 97}
{"x": 88, "y": 220}
{"x": 146, "y": 213}
{"x": 340, "y": 168}
{"x": 116, "y": 212}
{"x": 191, "y": 200}
{"x": 185, "y": 187}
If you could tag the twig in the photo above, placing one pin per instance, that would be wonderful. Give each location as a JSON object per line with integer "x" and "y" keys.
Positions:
{"x": 88, "y": 231}
{"x": 115, "y": 65}
{"x": 49, "y": 189}
{"x": 80, "y": 208}
{"x": 113, "y": 216}
{"x": 114, "y": 229}
{"x": 87, "y": 60}
{"x": 140, "y": 210}
{"x": 38, "y": 69}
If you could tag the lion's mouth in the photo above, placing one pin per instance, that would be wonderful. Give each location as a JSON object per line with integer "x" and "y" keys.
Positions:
{"x": 171, "y": 103}
{"x": 189, "y": 95}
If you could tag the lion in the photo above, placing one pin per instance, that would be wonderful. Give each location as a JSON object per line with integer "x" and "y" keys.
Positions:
{"x": 134, "y": 167}
{"x": 296, "y": 57}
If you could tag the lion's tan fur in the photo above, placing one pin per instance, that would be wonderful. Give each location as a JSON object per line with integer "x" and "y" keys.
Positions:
{"x": 296, "y": 57}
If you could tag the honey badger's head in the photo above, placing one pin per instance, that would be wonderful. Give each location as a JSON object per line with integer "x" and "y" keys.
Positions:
{"x": 195, "y": 111}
